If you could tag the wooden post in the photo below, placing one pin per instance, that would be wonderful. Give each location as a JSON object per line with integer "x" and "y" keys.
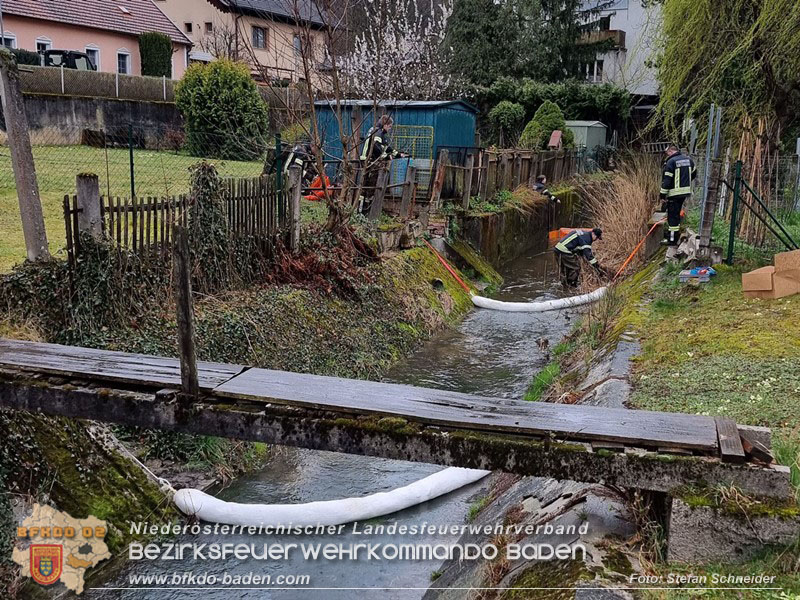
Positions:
{"x": 532, "y": 169}
{"x": 517, "y": 175}
{"x": 376, "y": 208}
{"x": 90, "y": 218}
{"x": 507, "y": 180}
{"x": 483, "y": 173}
{"x": 19, "y": 144}
{"x": 355, "y": 128}
{"x": 409, "y": 189}
{"x": 466, "y": 193}
{"x": 185, "y": 312}
{"x": 295, "y": 192}
{"x": 438, "y": 182}
{"x": 491, "y": 176}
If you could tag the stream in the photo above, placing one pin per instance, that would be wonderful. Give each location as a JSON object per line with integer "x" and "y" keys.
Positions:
{"x": 491, "y": 353}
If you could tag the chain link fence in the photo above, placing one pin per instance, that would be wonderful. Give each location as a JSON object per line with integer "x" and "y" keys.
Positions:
{"x": 129, "y": 160}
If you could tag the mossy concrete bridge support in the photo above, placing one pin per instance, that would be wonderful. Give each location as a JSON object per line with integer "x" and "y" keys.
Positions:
{"x": 659, "y": 452}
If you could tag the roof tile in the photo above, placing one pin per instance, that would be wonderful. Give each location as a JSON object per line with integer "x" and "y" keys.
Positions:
{"x": 143, "y": 15}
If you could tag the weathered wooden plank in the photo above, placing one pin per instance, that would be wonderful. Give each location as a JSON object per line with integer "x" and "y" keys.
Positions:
{"x": 324, "y": 430}
{"x": 443, "y": 407}
{"x": 431, "y": 406}
{"x": 730, "y": 446}
{"x": 139, "y": 369}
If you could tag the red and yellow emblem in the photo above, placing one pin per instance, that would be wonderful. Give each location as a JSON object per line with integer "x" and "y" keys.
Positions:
{"x": 47, "y": 562}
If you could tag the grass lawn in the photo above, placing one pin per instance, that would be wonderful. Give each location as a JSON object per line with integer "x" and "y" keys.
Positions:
{"x": 155, "y": 174}
{"x": 711, "y": 351}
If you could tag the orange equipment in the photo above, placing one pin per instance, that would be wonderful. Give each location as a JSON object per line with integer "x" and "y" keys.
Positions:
{"x": 318, "y": 193}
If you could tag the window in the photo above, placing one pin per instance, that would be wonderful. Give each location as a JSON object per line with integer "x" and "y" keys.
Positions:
{"x": 82, "y": 63}
{"x": 259, "y": 37}
{"x": 187, "y": 27}
{"x": 209, "y": 27}
{"x": 9, "y": 40}
{"x": 123, "y": 62}
{"x": 43, "y": 44}
{"x": 297, "y": 42}
{"x": 94, "y": 55}
{"x": 594, "y": 72}
{"x": 124, "y": 10}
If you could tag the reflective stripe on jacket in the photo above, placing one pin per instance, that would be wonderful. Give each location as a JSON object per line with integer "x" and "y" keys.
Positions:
{"x": 679, "y": 172}
{"x": 576, "y": 242}
{"x": 375, "y": 148}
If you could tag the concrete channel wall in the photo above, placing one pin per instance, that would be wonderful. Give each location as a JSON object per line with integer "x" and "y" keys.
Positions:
{"x": 503, "y": 236}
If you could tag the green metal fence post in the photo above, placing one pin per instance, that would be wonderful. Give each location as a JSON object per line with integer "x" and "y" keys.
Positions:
{"x": 279, "y": 178}
{"x": 130, "y": 153}
{"x": 737, "y": 190}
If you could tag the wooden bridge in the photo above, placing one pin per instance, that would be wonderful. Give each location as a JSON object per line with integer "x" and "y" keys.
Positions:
{"x": 659, "y": 452}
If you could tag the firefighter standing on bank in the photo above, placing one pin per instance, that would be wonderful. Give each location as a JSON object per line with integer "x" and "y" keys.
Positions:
{"x": 567, "y": 250}
{"x": 375, "y": 150}
{"x": 303, "y": 155}
{"x": 676, "y": 187}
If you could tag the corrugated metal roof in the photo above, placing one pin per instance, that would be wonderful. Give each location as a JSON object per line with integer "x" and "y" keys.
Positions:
{"x": 138, "y": 16}
{"x": 585, "y": 124}
{"x": 399, "y": 103}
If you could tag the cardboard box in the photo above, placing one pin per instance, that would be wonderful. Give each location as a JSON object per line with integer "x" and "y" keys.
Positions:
{"x": 786, "y": 261}
{"x": 759, "y": 280}
{"x": 774, "y": 282}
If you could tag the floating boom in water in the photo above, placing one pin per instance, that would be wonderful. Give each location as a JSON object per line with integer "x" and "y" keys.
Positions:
{"x": 329, "y": 512}
{"x": 542, "y": 306}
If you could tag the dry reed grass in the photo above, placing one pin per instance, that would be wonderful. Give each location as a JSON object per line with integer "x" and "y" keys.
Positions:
{"x": 621, "y": 205}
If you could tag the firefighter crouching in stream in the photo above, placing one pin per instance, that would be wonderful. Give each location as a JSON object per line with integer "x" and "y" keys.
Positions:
{"x": 567, "y": 250}
{"x": 676, "y": 187}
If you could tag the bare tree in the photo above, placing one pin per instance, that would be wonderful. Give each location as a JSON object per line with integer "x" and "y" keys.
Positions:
{"x": 225, "y": 42}
{"x": 310, "y": 46}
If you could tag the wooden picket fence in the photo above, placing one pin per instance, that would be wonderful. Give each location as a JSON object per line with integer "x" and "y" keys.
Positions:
{"x": 143, "y": 226}
{"x": 482, "y": 172}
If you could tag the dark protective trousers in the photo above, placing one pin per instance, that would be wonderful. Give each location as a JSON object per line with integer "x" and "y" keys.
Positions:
{"x": 370, "y": 175}
{"x": 569, "y": 267}
{"x": 673, "y": 230}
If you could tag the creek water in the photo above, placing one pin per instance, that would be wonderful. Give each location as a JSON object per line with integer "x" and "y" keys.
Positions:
{"x": 491, "y": 353}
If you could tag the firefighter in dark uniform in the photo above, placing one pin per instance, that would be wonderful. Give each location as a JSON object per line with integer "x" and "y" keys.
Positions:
{"x": 567, "y": 250}
{"x": 676, "y": 187}
{"x": 375, "y": 150}
{"x": 304, "y": 156}
{"x": 541, "y": 187}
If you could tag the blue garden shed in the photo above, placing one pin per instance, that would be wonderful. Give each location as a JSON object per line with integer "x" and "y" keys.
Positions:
{"x": 421, "y": 127}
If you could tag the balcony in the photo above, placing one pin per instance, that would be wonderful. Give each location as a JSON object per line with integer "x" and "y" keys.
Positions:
{"x": 595, "y": 37}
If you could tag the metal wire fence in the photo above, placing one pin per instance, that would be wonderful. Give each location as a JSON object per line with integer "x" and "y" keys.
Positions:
{"x": 129, "y": 160}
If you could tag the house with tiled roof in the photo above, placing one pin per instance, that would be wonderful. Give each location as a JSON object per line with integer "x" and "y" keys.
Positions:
{"x": 269, "y": 35}
{"x": 107, "y": 30}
